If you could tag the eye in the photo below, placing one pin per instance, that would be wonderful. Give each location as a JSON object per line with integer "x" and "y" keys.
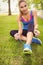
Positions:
{"x": 21, "y": 7}
{"x": 25, "y": 5}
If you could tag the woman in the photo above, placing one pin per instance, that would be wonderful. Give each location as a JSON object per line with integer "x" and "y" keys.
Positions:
{"x": 29, "y": 28}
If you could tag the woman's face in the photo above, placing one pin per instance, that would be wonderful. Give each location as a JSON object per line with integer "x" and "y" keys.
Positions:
{"x": 23, "y": 7}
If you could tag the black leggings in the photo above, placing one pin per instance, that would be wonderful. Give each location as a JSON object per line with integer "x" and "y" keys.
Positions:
{"x": 24, "y": 33}
{"x": 13, "y": 32}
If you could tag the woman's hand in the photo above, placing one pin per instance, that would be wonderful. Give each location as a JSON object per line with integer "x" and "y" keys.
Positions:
{"x": 17, "y": 36}
{"x": 36, "y": 31}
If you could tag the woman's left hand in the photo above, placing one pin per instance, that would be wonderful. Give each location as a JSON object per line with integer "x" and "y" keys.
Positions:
{"x": 36, "y": 32}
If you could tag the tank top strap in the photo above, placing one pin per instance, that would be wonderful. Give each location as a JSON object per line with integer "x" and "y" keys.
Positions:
{"x": 31, "y": 13}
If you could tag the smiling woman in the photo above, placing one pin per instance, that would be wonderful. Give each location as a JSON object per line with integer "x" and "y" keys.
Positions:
{"x": 29, "y": 28}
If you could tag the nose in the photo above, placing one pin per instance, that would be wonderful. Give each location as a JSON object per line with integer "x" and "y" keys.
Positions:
{"x": 24, "y": 8}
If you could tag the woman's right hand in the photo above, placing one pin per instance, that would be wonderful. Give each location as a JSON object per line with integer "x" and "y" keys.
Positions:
{"x": 17, "y": 36}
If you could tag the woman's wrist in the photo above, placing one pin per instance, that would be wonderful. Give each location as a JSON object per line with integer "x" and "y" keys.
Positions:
{"x": 36, "y": 27}
{"x": 19, "y": 32}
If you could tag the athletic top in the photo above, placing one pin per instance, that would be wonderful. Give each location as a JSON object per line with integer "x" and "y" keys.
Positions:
{"x": 26, "y": 23}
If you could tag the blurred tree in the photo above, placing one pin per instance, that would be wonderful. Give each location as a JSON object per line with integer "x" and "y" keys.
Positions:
{"x": 9, "y": 9}
{"x": 41, "y": 4}
{"x": 38, "y": 3}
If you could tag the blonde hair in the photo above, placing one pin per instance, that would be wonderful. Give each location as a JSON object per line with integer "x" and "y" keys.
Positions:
{"x": 20, "y": 1}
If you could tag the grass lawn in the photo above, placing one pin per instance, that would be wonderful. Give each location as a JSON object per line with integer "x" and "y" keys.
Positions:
{"x": 11, "y": 50}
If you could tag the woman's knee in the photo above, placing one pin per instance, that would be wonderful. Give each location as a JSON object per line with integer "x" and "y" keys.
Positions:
{"x": 29, "y": 33}
{"x": 12, "y": 33}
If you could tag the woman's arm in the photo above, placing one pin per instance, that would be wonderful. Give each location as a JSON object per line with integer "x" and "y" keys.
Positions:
{"x": 35, "y": 20}
{"x": 18, "y": 35}
{"x": 37, "y": 33}
{"x": 19, "y": 25}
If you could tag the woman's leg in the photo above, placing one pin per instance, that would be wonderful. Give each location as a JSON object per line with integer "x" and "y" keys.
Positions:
{"x": 13, "y": 32}
{"x": 27, "y": 46}
{"x": 24, "y": 36}
{"x": 29, "y": 37}
{"x": 34, "y": 40}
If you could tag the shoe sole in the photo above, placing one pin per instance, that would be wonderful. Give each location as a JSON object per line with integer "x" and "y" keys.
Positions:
{"x": 27, "y": 52}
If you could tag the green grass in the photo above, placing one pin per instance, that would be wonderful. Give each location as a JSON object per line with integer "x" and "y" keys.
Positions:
{"x": 11, "y": 50}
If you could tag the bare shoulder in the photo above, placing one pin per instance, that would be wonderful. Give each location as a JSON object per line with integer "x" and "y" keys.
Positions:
{"x": 34, "y": 12}
{"x": 18, "y": 17}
